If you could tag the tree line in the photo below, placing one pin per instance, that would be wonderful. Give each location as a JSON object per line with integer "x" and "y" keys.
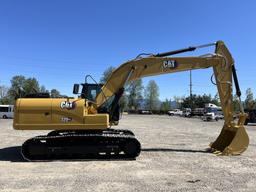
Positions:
{"x": 249, "y": 102}
{"x": 21, "y": 86}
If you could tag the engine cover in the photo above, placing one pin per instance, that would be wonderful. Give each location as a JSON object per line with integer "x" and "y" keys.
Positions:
{"x": 56, "y": 114}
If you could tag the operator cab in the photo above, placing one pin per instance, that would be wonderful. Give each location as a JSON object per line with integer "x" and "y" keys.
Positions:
{"x": 89, "y": 90}
{"x": 111, "y": 105}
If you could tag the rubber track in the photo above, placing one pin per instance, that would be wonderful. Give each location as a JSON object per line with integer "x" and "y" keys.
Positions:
{"x": 75, "y": 145}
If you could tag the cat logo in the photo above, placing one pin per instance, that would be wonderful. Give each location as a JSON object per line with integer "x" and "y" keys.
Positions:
{"x": 67, "y": 105}
{"x": 171, "y": 64}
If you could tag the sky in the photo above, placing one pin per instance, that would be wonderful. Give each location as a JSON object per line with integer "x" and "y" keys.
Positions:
{"x": 59, "y": 41}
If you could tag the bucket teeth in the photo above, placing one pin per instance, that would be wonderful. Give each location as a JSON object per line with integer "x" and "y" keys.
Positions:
{"x": 231, "y": 141}
{"x": 216, "y": 152}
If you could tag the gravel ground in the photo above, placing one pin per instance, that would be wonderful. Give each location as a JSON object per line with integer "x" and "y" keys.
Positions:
{"x": 173, "y": 158}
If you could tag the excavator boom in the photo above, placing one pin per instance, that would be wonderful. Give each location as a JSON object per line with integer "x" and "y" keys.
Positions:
{"x": 233, "y": 138}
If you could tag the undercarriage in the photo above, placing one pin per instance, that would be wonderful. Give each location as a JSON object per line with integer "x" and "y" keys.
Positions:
{"x": 62, "y": 145}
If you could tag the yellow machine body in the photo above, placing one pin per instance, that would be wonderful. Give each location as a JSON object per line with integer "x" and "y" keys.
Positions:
{"x": 56, "y": 114}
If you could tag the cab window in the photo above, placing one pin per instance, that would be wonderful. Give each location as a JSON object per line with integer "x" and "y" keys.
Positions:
{"x": 92, "y": 94}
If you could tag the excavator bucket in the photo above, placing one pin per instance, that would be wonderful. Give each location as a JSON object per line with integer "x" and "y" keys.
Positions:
{"x": 232, "y": 140}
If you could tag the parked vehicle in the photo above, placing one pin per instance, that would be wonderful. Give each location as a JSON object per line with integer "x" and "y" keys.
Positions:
{"x": 145, "y": 112}
{"x": 186, "y": 112}
{"x": 212, "y": 112}
{"x": 175, "y": 112}
{"x": 251, "y": 116}
{"x": 6, "y": 111}
{"x": 197, "y": 112}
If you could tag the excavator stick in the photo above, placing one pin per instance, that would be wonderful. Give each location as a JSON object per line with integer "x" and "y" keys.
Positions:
{"x": 232, "y": 140}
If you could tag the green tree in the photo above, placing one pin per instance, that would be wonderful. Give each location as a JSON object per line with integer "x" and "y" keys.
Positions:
{"x": 198, "y": 101}
{"x": 151, "y": 95}
{"x": 123, "y": 103}
{"x": 216, "y": 99}
{"x": 43, "y": 89}
{"x": 106, "y": 74}
{"x": 4, "y": 99}
{"x": 205, "y": 99}
{"x": 3, "y": 91}
{"x": 165, "y": 105}
{"x": 55, "y": 93}
{"x": 20, "y": 86}
{"x": 249, "y": 101}
{"x": 31, "y": 85}
{"x": 17, "y": 85}
{"x": 135, "y": 94}
{"x": 180, "y": 100}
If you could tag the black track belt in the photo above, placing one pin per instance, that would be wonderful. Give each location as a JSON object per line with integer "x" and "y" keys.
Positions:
{"x": 105, "y": 144}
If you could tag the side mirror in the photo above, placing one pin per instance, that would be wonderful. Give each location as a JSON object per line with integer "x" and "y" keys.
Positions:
{"x": 76, "y": 89}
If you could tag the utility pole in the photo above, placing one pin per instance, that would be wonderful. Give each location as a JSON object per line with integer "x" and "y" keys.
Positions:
{"x": 190, "y": 88}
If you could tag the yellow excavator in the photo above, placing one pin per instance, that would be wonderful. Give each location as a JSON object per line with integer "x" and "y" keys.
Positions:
{"x": 81, "y": 127}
